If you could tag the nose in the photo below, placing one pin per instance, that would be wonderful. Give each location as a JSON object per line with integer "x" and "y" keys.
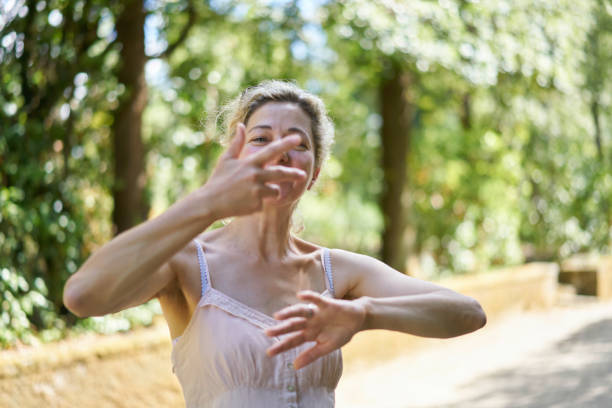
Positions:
{"x": 282, "y": 159}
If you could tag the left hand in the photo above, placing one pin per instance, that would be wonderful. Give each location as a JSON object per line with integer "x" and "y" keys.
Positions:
{"x": 329, "y": 322}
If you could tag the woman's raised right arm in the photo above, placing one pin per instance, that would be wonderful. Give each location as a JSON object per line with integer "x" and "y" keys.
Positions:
{"x": 134, "y": 266}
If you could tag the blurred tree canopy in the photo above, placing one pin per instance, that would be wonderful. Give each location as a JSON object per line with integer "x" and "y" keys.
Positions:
{"x": 469, "y": 133}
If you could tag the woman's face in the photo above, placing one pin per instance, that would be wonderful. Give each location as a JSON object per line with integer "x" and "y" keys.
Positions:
{"x": 273, "y": 121}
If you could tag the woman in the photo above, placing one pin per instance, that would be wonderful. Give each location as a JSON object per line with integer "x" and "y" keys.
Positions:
{"x": 257, "y": 314}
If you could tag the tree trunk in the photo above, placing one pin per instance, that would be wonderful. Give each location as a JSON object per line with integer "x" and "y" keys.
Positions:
{"x": 130, "y": 206}
{"x": 397, "y": 112}
{"x": 597, "y": 125}
{"x": 466, "y": 111}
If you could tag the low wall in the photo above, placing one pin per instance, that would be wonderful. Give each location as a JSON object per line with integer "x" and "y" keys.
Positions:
{"x": 604, "y": 278}
{"x": 529, "y": 286}
{"x": 589, "y": 274}
{"x": 84, "y": 349}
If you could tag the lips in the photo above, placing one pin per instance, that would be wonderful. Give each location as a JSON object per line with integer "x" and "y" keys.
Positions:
{"x": 286, "y": 188}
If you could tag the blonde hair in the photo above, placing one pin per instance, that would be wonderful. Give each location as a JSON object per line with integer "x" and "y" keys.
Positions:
{"x": 240, "y": 109}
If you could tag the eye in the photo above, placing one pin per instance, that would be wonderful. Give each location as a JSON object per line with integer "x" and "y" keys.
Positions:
{"x": 259, "y": 139}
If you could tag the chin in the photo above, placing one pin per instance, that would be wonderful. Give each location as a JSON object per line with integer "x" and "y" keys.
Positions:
{"x": 290, "y": 193}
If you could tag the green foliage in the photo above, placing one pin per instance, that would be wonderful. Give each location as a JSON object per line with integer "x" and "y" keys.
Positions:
{"x": 510, "y": 157}
{"x": 54, "y": 160}
{"x": 500, "y": 99}
{"x": 122, "y": 321}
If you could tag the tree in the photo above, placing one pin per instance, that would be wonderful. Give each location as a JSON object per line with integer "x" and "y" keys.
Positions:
{"x": 130, "y": 206}
{"x": 130, "y": 203}
{"x": 479, "y": 51}
{"x": 397, "y": 110}
{"x": 52, "y": 58}
{"x": 597, "y": 67}
{"x": 58, "y": 85}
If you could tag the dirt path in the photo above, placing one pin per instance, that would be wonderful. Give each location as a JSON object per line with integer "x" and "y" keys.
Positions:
{"x": 557, "y": 358}
{"x": 561, "y": 358}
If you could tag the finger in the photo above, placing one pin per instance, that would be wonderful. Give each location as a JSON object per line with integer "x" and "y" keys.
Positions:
{"x": 287, "y": 344}
{"x": 279, "y": 173}
{"x": 314, "y": 297}
{"x": 290, "y": 325}
{"x": 237, "y": 143}
{"x": 269, "y": 191}
{"x": 310, "y": 355}
{"x": 275, "y": 149}
{"x": 299, "y": 310}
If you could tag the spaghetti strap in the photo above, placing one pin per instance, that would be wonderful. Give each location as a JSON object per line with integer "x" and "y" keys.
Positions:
{"x": 327, "y": 266}
{"x": 204, "y": 277}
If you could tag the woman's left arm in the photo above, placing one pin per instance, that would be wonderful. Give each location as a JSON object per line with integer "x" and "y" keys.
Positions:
{"x": 395, "y": 301}
{"x": 374, "y": 296}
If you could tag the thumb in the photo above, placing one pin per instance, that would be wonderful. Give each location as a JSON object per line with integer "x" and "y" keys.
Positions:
{"x": 235, "y": 147}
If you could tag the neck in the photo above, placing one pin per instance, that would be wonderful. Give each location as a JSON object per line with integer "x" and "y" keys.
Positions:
{"x": 267, "y": 233}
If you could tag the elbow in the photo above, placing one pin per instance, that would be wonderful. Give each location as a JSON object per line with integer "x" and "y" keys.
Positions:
{"x": 477, "y": 317}
{"x": 467, "y": 316}
{"x": 76, "y": 300}
{"x": 73, "y": 301}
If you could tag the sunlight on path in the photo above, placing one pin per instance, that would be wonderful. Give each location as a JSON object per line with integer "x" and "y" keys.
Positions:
{"x": 443, "y": 375}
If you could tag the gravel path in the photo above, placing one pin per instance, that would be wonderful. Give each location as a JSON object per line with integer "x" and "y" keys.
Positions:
{"x": 557, "y": 358}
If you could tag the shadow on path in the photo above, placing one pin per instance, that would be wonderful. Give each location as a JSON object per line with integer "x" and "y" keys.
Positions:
{"x": 575, "y": 373}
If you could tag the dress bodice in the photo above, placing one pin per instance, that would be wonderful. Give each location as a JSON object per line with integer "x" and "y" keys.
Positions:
{"x": 220, "y": 359}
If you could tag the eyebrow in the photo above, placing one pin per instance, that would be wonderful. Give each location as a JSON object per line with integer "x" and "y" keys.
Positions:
{"x": 291, "y": 129}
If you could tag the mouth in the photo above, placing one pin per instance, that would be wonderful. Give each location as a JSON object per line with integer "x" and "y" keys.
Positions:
{"x": 285, "y": 189}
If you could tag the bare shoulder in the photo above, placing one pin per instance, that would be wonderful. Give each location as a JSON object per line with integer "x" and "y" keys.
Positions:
{"x": 362, "y": 275}
{"x": 348, "y": 259}
{"x": 306, "y": 247}
{"x": 349, "y": 268}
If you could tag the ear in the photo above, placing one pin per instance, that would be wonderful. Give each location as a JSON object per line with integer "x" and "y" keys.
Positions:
{"x": 315, "y": 175}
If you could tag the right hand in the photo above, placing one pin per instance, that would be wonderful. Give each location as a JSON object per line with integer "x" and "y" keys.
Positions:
{"x": 239, "y": 186}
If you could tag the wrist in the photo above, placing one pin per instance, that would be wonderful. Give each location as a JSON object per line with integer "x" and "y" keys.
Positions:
{"x": 200, "y": 206}
{"x": 365, "y": 305}
{"x": 206, "y": 201}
